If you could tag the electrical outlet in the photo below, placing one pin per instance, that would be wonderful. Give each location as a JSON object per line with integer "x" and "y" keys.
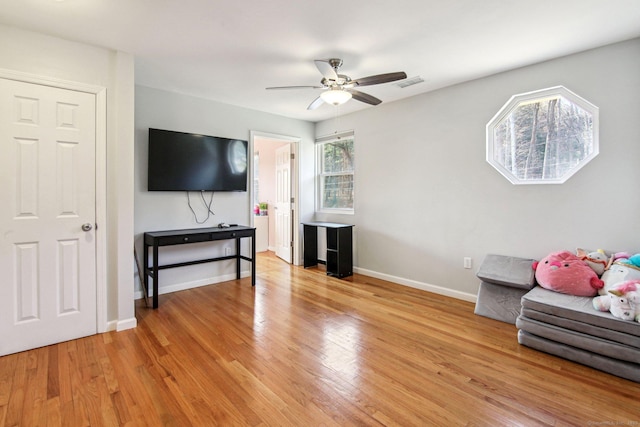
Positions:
{"x": 467, "y": 262}
{"x": 227, "y": 251}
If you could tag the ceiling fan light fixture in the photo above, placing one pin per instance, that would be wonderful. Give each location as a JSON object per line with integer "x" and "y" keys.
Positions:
{"x": 335, "y": 96}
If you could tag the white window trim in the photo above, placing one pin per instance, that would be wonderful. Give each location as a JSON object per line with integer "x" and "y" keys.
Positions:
{"x": 318, "y": 182}
{"x": 516, "y": 100}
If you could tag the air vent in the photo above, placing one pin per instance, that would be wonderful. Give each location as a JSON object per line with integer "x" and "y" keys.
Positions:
{"x": 410, "y": 82}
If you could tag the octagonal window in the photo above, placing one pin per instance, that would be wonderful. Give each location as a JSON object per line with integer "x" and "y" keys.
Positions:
{"x": 543, "y": 137}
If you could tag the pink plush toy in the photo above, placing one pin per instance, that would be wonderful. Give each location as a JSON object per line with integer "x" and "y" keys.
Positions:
{"x": 623, "y": 301}
{"x": 564, "y": 272}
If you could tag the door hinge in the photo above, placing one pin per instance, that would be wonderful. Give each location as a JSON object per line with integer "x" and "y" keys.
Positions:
{"x": 293, "y": 156}
{"x": 293, "y": 199}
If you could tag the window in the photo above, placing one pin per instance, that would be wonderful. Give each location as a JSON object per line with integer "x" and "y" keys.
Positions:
{"x": 542, "y": 137}
{"x": 335, "y": 155}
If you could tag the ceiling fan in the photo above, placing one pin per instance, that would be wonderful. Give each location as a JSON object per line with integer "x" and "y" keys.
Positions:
{"x": 339, "y": 88}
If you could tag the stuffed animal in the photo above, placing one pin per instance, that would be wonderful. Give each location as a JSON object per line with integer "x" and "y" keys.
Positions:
{"x": 564, "y": 272}
{"x": 623, "y": 301}
{"x": 620, "y": 271}
{"x": 633, "y": 260}
{"x": 597, "y": 260}
{"x": 620, "y": 255}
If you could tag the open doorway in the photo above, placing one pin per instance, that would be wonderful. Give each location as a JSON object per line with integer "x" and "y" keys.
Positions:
{"x": 274, "y": 195}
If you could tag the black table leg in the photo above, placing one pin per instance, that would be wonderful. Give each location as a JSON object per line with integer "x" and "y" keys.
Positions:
{"x": 145, "y": 266}
{"x": 253, "y": 259}
{"x": 238, "y": 258}
{"x": 155, "y": 276}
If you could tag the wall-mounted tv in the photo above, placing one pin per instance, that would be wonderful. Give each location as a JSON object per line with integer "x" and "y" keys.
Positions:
{"x": 180, "y": 161}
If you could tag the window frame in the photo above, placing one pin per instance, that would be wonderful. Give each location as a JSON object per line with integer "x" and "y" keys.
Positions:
{"x": 319, "y": 175}
{"x": 530, "y": 97}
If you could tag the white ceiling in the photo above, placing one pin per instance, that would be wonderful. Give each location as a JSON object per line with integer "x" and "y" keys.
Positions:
{"x": 230, "y": 51}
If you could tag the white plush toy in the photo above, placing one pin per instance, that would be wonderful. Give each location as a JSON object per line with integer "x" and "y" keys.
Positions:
{"x": 598, "y": 260}
{"x": 620, "y": 271}
{"x": 623, "y": 301}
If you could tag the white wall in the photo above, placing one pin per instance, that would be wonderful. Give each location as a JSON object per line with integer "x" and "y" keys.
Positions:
{"x": 169, "y": 210}
{"x": 426, "y": 197}
{"x": 50, "y": 57}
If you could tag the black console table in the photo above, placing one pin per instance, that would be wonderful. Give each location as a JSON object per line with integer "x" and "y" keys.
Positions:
{"x": 155, "y": 239}
{"x": 339, "y": 247}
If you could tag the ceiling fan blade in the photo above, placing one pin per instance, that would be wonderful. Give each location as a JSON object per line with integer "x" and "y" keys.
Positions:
{"x": 364, "y": 97}
{"x": 315, "y": 104}
{"x": 326, "y": 69}
{"x": 293, "y": 87}
{"x": 381, "y": 78}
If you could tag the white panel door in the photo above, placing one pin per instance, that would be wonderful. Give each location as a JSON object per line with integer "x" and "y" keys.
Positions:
{"x": 284, "y": 227}
{"x": 47, "y": 184}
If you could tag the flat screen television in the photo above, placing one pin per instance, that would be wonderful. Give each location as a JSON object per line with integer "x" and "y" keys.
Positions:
{"x": 180, "y": 161}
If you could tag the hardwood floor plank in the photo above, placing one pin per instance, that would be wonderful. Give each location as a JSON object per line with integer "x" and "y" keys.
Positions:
{"x": 54, "y": 415}
{"x": 16, "y": 398}
{"x": 64, "y": 373}
{"x": 53, "y": 373}
{"x": 35, "y": 391}
{"x": 7, "y": 372}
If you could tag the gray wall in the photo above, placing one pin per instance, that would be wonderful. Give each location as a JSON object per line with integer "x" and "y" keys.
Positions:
{"x": 169, "y": 210}
{"x": 426, "y": 197}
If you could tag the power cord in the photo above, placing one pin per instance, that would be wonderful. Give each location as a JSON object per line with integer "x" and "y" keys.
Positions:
{"x": 204, "y": 202}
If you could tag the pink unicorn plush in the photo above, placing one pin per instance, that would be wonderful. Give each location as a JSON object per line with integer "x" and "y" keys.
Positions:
{"x": 623, "y": 301}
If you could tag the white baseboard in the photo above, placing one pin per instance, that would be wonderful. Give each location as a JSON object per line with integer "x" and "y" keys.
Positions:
{"x": 194, "y": 284}
{"x": 111, "y": 326}
{"x": 126, "y": 324}
{"x": 418, "y": 285}
{"x": 121, "y": 325}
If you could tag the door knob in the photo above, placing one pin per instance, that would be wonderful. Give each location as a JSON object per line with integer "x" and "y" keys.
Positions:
{"x": 87, "y": 227}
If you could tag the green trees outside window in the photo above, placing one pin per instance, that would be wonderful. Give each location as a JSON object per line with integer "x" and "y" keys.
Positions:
{"x": 336, "y": 174}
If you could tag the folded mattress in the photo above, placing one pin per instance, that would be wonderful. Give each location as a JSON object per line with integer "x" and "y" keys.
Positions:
{"x": 499, "y": 302}
{"x": 579, "y": 309}
{"x": 505, "y": 280}
{"x": 581, "y": 340}
{"x": 509, "y": 271}
{"x": 627, "y": 370}
{"x": 568, "y": 326}
{"x": 586, "y": 328}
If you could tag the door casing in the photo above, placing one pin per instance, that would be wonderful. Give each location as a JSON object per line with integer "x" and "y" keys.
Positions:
{"x": 102, "y": 324}
{"x": 295, "y": 187}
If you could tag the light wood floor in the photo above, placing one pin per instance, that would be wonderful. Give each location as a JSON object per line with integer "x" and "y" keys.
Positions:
{"x": 304, "y": 349}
